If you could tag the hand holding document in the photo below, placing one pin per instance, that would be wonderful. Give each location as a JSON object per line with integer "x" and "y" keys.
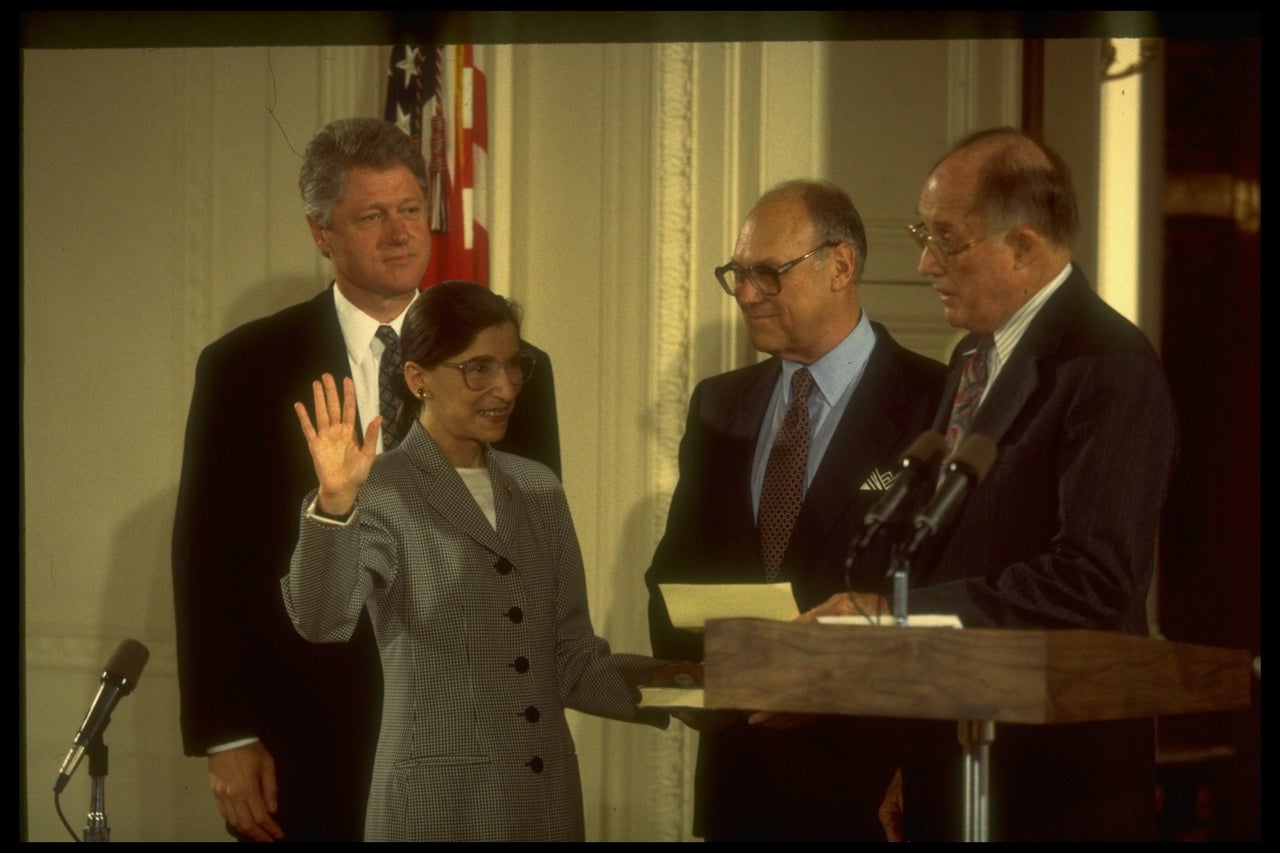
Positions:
{"x": 690, "y": 607}
{"x": 675, "y": 686}
{"x": 679, "y": 686}
{"x": 678, "y": 689}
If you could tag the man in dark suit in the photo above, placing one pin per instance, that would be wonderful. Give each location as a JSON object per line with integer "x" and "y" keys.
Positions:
{"x": 794, "y": 274}
{"x": 1061, "y": 533}
{"x": 289, "y": 728}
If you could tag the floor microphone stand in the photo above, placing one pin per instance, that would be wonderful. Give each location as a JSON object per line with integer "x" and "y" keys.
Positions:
{"x": 95, "y": 824}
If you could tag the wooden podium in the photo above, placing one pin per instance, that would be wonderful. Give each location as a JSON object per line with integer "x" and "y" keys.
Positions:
{"x": 977, "y": 677}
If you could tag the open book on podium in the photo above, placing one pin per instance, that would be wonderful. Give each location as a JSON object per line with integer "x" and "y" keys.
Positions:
{"x": 691, "y": 606}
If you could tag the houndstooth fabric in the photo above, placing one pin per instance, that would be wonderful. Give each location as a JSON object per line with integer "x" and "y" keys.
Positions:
{"x": 485, "y": 639}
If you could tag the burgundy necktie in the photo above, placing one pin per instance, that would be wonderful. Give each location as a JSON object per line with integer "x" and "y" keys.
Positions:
{"x": 973, "y": 381}
{"x": 783, "y": 489}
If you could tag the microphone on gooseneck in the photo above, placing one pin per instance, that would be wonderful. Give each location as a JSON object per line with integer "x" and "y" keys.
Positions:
{"x": 961, "y": 474}
{"x": 917, "y": 473}
{"x": 119, "y": 677}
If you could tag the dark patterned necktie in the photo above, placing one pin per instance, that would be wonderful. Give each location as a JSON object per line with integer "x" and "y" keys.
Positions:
{"x": 388, "y": 368}
{"x": 783, "y": 489}
{"x": 973, "y": 381}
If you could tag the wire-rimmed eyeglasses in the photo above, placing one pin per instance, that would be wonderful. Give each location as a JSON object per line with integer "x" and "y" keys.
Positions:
{"x": 481, "y": 373}
{"x": 937, "y": 246}
{"x": 763, "y": 277}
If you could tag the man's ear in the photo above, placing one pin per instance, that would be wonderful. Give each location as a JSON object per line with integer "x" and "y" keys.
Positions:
{"x": 844, "y": 266}
{"x": 319, "y": 236}
{"x": 1026, "y": 245}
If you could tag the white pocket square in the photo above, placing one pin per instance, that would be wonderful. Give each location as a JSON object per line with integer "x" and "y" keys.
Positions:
{"x": 878, "y": 481}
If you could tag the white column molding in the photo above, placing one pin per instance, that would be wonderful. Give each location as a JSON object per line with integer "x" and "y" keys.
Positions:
{"x": 962, "y": 94}
{"x": 671, "y": 354}
{"x": 670, "y": 327}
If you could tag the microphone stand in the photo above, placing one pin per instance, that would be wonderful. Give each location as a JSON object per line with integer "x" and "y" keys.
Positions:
{"x": 900, "y": 569}
{"x": 975, "y": 736}
{"x": 95, "y": 824}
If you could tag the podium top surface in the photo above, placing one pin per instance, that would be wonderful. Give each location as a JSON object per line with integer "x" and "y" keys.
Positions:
{"x": 1000, "y": 675}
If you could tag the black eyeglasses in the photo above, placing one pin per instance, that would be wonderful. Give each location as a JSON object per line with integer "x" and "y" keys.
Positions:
{"x": 763, "y": 278}
{"x": 481, "y": 373}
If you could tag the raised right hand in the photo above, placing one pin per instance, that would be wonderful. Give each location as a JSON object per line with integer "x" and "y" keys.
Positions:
{"x": 341, "y": 465}
{"x": 243, "y": 781}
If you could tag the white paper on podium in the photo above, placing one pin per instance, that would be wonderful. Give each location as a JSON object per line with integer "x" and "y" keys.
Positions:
{"x": 923, "y": 620}
{"x": 690, "y": 605}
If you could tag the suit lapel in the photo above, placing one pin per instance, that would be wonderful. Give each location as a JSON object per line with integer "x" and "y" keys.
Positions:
{"x": 449, "y": 496}
{"x": 867, "y": 434}
{"x": 748, "y": 414}
{"x": 333, "y": 345}
{"x": 1020, "y": 377}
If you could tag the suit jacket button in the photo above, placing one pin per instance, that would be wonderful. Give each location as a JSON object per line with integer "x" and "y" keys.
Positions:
{"x": 520, "y": 664}
{"x": 516, "y": 615}
{"x": 531, "y": 714}
{"x": 535, "y": 765}
{"x": 503, "y": 566}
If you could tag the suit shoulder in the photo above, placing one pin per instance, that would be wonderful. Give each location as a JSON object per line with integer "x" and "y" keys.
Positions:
{"x": 733, "y": 383}
{"x": 1077, "y": 325}
{"x": 921, "y": 365}
{"x": 528, "y": 473}
{"x": 541, "y": 354}
{"x": 268, "y": 334}
{"x": 919, "y": 370}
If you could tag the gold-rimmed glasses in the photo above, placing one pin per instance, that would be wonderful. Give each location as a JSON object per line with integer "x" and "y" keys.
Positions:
{"x": 944, "y": 254}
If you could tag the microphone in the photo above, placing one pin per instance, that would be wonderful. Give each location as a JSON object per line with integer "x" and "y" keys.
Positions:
{"x": 964, "y": 471}
{"x": 919, "y": 469}
{"x": 119, "y": 677}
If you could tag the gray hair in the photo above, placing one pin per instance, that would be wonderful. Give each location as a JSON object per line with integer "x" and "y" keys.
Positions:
{"x": 348, "y": 143}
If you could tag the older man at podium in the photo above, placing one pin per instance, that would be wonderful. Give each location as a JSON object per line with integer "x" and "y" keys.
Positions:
{"x": 1061, "y": 532}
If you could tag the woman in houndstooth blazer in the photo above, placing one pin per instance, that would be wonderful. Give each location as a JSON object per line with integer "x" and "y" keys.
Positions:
{"x": 468, "y": 562}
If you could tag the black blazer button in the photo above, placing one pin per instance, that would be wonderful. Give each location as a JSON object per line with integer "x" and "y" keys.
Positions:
{"x": 520, "y": 664}
{"x": 516, "y": 615}
{"x": 531, "y": 714}
{"x": 535, "y": 765}
{"x": 503, "y": 566}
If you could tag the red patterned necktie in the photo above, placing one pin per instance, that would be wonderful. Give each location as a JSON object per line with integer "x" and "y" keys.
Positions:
{"x": 783, "y": 489}
{"x": 388, "y": 367}
{"x": 973, "y": 381}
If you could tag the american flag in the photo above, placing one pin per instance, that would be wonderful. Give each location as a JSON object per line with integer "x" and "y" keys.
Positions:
{"x": 437, "y": 95}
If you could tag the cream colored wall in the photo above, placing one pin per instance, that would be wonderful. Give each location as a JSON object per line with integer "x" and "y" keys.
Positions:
{"x": 160, "y": 210}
